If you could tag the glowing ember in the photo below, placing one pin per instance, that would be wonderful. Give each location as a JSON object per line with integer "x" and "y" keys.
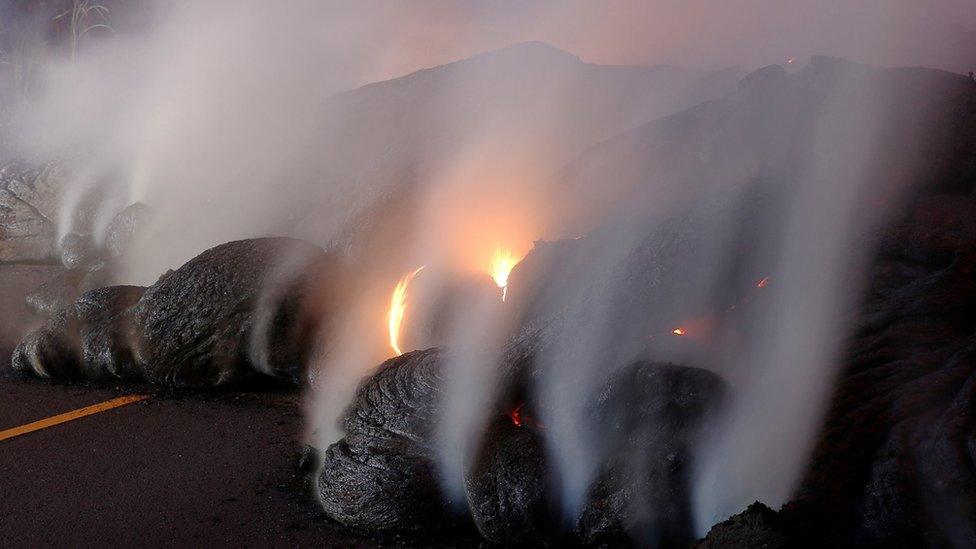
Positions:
{"x": 678, "y": 331}
{"x": 516, "y": 415}
{"x": 762, "y": 283}
{"x": 502, "y": 263}
{"x": 520, "y": 418}
{"x": 398, "y": 305}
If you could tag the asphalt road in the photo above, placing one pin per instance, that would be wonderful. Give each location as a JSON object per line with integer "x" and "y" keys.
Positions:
{"x": 190, "y": 471}
{"x": 198, "y": 470}
{"x": 187, "y": 470}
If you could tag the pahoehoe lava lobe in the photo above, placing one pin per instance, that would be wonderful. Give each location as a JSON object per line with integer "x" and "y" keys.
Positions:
{"x": 508, "y": 485}
{"x": 197, "y": 325}
{"x": 85, "y": 339}
{"x": 650, "y": 415}
{"x": 106, "y": 349}
{"x": 381, "y": 475}
{"x": 242, "y": 310}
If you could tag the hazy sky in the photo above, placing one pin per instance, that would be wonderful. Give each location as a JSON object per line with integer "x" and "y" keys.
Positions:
{"x": 699, "y": 33}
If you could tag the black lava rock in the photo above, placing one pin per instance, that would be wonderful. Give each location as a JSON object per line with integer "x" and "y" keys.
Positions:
{"x": 77, "y": 250}
{"x": 760, "y": 526}
{"x": 56, "y": 294}
{"x": 87, "y": 339}
{"x": 231, "y": 312}
{"x": 507, "y": 486}
{"x": 106, "y": 351}
{"x": 650, "y": 415}
{"x": 308, "y": 459}
{"x": 381, "y": 475}
{"x": 648, "y": 419}
{"x": 51, "y": 350}
{"x": 62, "y": 290}
{"x": 124, "y": 227}
{"x": 895, "y": 463}
{"x": 241, "y": 311}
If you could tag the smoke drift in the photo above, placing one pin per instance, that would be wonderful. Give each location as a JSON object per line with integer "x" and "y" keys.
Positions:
{"x": 234, "y": 122}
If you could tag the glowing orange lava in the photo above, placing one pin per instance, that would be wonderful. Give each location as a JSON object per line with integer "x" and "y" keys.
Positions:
{"x": 516, "y": 415}
{"x": 678, "y": 331}
{"x": 398, "y": 305}
{"x": 502, "y": 262}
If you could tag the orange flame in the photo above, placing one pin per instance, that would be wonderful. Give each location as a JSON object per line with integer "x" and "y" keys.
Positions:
{"x": 398, "y": 305}
{"x": 502, "y": 262}
{"x": 678, "y": 331}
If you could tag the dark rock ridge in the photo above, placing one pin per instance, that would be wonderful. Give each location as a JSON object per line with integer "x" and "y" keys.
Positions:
{"x": 241, "y": 310}
{"x": 895, "y": 463}
{"x": 760, "y": 526}
{"x": 381, "y": 474}
{"x": 764, "y": 130}
{"x": 386, "y": 134}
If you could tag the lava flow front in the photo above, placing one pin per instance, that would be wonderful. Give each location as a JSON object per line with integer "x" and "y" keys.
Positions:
{"x": 502, "y": 262}
{"x": 398, "y": 305}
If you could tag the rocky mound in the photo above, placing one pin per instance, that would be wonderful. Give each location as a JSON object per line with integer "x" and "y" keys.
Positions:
{"x": 760, "y": 526}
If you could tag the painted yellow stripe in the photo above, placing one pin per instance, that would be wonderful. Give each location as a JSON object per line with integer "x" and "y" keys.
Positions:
{"x": 69, "y": 416}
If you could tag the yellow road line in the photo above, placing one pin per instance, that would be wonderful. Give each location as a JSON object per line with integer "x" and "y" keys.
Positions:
{"x": 69, "y": 416}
